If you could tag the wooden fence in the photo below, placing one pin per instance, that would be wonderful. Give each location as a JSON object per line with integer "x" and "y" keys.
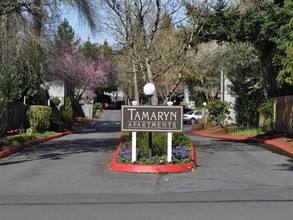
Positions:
{"x": 12, "y": 116}
{"x": 283, "y": 114}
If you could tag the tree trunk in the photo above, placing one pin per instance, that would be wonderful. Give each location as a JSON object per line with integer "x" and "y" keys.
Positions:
{"x": 37, "y": 29}
{"x": 136, "y": 93}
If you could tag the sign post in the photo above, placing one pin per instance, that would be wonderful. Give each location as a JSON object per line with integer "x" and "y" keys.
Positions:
{"x": 133, "y": 146}
{"x": 169, "y": 144}
{"x": 133, "y": 141}
{"x": 152, "y": 118}
{"x": 169, "y": 147}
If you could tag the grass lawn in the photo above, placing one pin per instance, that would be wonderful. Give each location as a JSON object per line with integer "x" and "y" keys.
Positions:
{"x": 9, "y": 141}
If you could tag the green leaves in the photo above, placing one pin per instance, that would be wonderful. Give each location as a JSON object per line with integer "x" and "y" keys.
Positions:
{"x": 218, "y": 111}
{"x": 64, "y": 38}
{"x": 263, "y": 33}
{"x": 39, "y": 117}
{"x": 284, "y": 42}
{"x": 13, "y": 83}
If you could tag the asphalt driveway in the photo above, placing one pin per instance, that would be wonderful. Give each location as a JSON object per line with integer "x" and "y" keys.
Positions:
{"x": 68, "y": 178}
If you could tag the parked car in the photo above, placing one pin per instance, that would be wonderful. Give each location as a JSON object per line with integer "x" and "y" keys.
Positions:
{"x": 192, "y": 116}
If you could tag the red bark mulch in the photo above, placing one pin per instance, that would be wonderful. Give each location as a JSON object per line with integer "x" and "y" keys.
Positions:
{"x": 278, "y": 137}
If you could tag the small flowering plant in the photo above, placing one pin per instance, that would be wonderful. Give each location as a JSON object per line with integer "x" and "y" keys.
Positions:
{"x": 181, "y": 153}
{"x": 125, "y": 152}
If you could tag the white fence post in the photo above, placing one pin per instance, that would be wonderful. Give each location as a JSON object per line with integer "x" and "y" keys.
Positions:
{"x": 169, "y": 150}
{"x": 133, "y": 151}
{"x": 169, "y": 142}
{"x": 133, "y": 141}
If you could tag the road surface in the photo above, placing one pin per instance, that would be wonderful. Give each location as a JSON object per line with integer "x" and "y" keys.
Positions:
{"x": 68, "y": 178}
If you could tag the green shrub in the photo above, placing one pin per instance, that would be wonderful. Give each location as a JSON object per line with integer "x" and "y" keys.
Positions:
{"x": 96, "y": 107}
{"x": 159, "y": 143}
{"x": 57, "y": 121}
{"x": 246, "y": 107}
{"x": 57, "y": 124}
{"x": 56, "y": 101}
{"x": 266, "y": 111}
{"x": 179, "y": 139}
{"x": 81, "y": 102}
{"x": 68, "y": 113}
{"x": 127, "y": 136}
{"x": 79, "y": 119}
{"x": 68, "y": 107}
{"x": 218, "y": 111}
{"x": 39, "y": 118}
{"x": 68, "y": 121}
{"x": 180, "y": 150}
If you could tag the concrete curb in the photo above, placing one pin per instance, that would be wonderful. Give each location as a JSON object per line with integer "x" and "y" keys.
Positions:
{"x": 145, "y": 168}
{"x": 244, "y": 137}
{"x": 18, "y": 147}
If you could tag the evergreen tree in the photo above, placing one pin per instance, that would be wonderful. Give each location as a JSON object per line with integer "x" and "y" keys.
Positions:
{"x": 284, "y": 40}
{"x": 65, "y": 36}
{"x": 89, "y": 50}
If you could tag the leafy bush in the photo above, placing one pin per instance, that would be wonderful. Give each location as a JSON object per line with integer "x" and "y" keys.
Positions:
{"x": 79, "y": 119}
{"x": 57, "y": 124}
{"x": 96, "y": 107}
{"x": 127, "y": 136}
{"x": 266, "y": 112}
{"x": 68, "y": 113}
{"x": 68, "y": 121}
{"x": 180, "y": 153}
{"x": 57, "y": 121}
{"x": 159, "y": 143}
{"x": 68, "y": 107}
{"x": 246, "y": 106}
{"x": 56, "y": 101}
{"x": 39, "y": 118}
{"x": 218, "y": 111}
{"x": 180, "y": 139}
{"x": 81, "y": 102}
{"x": 61, "y": 120}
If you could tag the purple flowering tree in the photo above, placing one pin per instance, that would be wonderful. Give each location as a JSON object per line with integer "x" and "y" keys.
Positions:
{"x": 81, "y": 74}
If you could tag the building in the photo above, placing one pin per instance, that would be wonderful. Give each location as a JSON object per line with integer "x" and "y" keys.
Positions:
{"x": 226, "y": 95}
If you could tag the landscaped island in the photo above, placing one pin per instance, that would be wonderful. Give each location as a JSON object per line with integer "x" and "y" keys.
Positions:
{"x": 183, "y": 154}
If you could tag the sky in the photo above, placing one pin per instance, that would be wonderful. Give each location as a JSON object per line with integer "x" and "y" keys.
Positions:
{"x": 82, "y": 30}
